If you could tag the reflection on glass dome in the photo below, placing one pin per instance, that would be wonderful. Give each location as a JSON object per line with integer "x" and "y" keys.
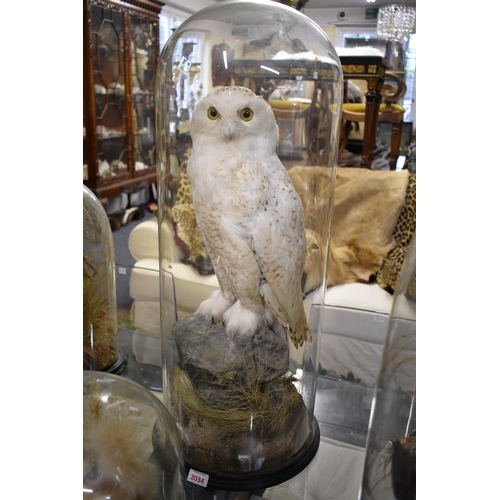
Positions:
{"x": 131, "y": 445}
{"x": 248, "y": 94}
{"x": 100, "y": 330}
{"x": 390, "y": 460}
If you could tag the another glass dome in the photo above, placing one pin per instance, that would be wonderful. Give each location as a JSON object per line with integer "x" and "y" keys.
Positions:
{"x": 390, "y": 460}
{"x": 100, "y": 333}
{"x": 243, "y": 392}
{"x": 131, "y": 445}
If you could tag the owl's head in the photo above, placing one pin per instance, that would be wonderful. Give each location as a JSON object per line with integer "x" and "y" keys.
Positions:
{"x": 235, "y": 114}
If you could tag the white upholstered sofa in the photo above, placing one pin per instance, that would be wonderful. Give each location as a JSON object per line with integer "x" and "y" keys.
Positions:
{"x": 144, "y": 278}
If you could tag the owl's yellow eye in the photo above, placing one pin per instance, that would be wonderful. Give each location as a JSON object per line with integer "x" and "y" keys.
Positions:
{"x": 246, "y": 114}
{"x": 212, "y": 113}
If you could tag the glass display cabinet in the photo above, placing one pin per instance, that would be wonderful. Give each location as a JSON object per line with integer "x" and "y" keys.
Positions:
{"x": 248, "y": 96}
{"x": 121, "y": 46}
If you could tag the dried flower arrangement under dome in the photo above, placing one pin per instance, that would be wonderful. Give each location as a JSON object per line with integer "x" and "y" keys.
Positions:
{"x": 131, "y": 445}
{"x": 100, "y": 330}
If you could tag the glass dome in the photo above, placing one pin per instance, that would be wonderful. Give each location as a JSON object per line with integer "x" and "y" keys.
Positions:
{"x": 131, "y": 445}
{"x": 100, "y": 333}
{"x": 390, "y": 459}
{"x": 253, "y": 87}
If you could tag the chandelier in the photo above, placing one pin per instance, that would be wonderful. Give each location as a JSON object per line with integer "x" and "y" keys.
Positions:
{"x": 395, "y": 22}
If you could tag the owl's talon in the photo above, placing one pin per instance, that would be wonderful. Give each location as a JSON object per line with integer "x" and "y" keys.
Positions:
{"x": 239, "y": 320}
{"x": 214, "y": 307}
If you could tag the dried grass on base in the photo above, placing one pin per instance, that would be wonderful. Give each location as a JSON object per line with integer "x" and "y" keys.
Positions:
{"x": 237, "y": 408}
{"x": 99, "y": 328}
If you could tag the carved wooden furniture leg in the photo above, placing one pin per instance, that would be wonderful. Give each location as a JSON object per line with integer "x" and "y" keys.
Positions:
{"x": 344, "y": 136}
{"x": 373, "y": 98}
{"x": 326, "y": 116}
{"x": 312, "y": 146}
{"x": 397, "y": 130}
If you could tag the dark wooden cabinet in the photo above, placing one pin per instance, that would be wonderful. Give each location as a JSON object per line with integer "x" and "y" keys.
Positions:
{"x": 121, "y": 50}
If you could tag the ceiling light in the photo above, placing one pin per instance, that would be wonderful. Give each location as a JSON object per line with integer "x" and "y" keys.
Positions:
{"x": 395, "y": 22}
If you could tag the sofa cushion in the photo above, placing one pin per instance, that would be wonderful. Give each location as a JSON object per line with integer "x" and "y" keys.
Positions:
{"x": 143, "y": 241}
{"x": 145, "y": 315}
{"x": 354, "y": 309}
{"x": 145, "y": 280}
{"x": 354, "y": 328}
{"x": 190, "y": 287}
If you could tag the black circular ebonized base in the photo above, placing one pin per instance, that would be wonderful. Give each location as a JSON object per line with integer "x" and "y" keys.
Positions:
{"x": 250, "y": 481}
{"x": 118, "y": 366}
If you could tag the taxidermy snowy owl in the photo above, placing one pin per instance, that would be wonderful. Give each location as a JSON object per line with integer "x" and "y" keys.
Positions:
{"x": 249, "y": 215}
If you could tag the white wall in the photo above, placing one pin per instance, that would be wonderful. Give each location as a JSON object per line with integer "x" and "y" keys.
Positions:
{"x": 330, "y": 21}
{"x": 331, "y": 16}
{"x": 190, "y": 6}
{"x": 327, "y": 18}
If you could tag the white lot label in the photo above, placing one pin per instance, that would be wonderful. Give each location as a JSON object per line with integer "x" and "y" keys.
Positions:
{"x": 198, "y": 478}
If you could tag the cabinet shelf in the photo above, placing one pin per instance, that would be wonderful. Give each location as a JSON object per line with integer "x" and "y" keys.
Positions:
{"x": 135, "y": 93}
{"x": 109, "y": 137}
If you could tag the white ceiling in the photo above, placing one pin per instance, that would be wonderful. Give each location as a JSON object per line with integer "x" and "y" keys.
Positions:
{"x": 320, "y": 4}
{"x": 195, "y": 5}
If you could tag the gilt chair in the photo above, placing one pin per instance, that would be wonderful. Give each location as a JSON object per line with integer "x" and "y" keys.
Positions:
{"x": 393, "y": 90}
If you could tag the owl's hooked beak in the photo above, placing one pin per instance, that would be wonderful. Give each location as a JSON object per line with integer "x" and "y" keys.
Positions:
{"x": 229, "y": 129}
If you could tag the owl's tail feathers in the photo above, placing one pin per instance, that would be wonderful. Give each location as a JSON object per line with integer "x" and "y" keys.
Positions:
{"x": 298, "y": 332}
{"x": 301, "y": 333}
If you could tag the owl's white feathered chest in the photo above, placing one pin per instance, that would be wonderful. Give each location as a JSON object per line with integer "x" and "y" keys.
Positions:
{"x": 231, "y": 183}
{"x": 242, "y": 190}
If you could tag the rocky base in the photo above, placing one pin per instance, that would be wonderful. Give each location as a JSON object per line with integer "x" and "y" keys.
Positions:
{"x": 241, "y": 413}
{"x": 208, "y": 354}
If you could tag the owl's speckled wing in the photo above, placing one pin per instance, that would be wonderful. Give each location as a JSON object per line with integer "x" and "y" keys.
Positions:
{"x": 280, "y": 250}
{"x": 256, "y": 240}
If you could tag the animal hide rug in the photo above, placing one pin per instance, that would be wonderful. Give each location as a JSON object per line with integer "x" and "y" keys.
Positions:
{"x": 366, "y": 207}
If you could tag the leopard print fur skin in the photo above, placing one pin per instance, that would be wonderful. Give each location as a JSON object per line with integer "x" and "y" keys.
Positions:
{"x": 183, "y": 219}
{"x": 390, "y": 272}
